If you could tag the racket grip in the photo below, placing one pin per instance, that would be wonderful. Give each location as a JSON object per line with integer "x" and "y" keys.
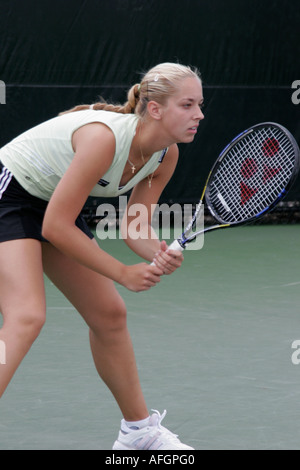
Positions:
{"x": 174, "y": 246}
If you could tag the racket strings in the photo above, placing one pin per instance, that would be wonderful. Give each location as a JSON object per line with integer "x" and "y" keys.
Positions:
{"x": 252, "y": 175}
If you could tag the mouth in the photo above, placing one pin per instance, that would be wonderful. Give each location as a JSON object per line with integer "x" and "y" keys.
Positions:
{"x": 193, "y": 129}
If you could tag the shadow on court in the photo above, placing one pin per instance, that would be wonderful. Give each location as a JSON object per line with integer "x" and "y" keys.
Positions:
{"x": 213, "y": 345}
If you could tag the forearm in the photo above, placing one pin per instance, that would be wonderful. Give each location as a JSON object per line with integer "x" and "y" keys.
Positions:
{"x": 144, "y": 243}
{"x": 71, "y": 241}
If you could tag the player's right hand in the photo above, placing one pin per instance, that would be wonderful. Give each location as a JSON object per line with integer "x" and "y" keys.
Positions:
{"x": 140, "y": 277}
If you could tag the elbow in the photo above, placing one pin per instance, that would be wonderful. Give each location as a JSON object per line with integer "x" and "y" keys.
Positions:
{"x": 50, "y": 232}
{"x": 46, "y": 232}
{"x": 57, "y": 232}
{"x": 48, "y": 228}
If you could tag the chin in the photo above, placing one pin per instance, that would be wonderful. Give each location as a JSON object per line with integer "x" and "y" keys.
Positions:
{"x": 187, "y": 140}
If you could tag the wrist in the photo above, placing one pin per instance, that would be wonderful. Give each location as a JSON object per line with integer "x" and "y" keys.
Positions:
{"x": 121, "y": 274}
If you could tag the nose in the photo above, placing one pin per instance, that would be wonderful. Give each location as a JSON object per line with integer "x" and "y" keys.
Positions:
{"x": 199, "y": 114}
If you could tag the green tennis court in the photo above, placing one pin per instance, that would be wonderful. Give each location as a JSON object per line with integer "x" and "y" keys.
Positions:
{"x": 213, "y": 345}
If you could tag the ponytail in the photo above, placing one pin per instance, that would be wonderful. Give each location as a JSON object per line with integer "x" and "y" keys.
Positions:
{"x": 126, "y": 108}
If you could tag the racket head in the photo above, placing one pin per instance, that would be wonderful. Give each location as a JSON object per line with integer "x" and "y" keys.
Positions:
{"x": 252, "y": 174}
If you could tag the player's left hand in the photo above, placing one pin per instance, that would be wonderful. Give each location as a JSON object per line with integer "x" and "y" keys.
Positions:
{"x": 168, "y": 260}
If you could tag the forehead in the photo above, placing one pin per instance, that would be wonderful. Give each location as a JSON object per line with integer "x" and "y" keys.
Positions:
{"x": 189, "y": 88}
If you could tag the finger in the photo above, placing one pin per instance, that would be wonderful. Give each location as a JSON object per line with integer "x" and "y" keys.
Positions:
{"x": 163, "y": 245}
{"x": 168, "y": 261}
{"x": 176, "y": 258}
{"x": 162, "y": 261}
{"x": 156, "y": 268}
{"x": 175, "y": 254}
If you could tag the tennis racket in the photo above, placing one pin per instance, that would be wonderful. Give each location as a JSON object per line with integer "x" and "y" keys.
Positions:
{"x": 251, "y": 175}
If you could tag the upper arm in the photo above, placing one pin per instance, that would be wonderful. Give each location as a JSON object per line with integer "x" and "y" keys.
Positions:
{"x": 94, "y": 146}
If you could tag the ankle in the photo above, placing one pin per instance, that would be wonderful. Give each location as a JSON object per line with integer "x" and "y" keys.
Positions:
{"x": 134, "y": 425}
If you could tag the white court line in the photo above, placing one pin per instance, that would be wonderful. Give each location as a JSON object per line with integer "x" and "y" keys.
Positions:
{"x": 291, "y": 284}
{"x": 282, "y": 285}
{"x": 61, "y": 308}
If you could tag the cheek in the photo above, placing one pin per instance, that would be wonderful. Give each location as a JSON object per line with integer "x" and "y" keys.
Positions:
{"x": 177, "y": 119}
{"x": 175, "y": 126}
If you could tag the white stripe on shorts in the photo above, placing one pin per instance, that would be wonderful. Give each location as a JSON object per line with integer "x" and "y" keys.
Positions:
{"x": 5, "y": 179}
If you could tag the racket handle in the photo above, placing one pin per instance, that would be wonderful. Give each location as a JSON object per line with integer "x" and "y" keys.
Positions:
{"x": 174, "y": 246}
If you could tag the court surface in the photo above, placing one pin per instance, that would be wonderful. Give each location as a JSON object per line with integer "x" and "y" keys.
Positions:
{"x": 213, "y": 345}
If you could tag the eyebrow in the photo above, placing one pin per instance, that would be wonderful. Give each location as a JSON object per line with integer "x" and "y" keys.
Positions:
{"x": 192, "y": 100}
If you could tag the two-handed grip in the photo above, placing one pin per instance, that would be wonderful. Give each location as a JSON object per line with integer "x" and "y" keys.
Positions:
{"x": 175, "y": 245}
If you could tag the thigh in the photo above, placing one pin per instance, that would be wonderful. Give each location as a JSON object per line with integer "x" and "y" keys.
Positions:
{"x": 21, "y": 277}
{"x": 92, "y": 294}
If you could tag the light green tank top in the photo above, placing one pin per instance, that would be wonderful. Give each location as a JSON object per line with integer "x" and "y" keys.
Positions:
{"x": 39, "y": 157}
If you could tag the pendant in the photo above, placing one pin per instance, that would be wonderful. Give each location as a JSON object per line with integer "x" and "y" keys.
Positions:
{"x": 132, "y": 169}
{"x": 150, "y": 179}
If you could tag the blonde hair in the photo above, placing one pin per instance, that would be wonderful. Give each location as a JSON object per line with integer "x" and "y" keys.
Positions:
{"x": 158, "y": 84}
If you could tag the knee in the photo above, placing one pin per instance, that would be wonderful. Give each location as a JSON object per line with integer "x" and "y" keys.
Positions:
{"x": 28, "y": 325}
{"x": 111, "y": 317}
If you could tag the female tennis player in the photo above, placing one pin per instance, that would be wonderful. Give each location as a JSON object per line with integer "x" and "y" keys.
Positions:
{"x": 47, "y": 173}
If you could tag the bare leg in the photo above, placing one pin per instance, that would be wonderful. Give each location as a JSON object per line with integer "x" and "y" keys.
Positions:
{"x": 22, "y": 302}
{"x": 97, "y": 300}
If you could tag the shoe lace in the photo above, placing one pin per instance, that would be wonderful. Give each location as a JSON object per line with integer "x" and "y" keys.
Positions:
{"x": 157, "y": 418}
{"x": 155, "y": 439}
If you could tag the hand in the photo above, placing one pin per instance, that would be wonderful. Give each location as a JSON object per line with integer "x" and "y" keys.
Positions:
{"x": 167, "y": 260}
{"x": 140, "y": 277}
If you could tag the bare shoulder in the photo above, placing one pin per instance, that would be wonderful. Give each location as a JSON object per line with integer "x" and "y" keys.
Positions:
{"x": 94, "y": 146}
{"x": 168, "y": 165}
{"x": 93, "y": 135}
{"x": 172, "y": 153}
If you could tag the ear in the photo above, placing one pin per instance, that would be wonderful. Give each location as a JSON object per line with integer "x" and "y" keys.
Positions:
{"x": 154, "y": 110}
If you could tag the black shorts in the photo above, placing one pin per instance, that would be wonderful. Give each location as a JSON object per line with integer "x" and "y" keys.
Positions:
{"x": 21, "y": 214}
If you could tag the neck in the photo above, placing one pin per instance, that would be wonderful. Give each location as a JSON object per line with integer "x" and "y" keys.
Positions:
{"x": 148, "y": 139}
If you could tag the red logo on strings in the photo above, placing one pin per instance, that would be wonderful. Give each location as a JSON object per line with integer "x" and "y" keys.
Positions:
{"x": 249, "y": 167}
{"x": 246, "y": 193}
{"x": 270, "y": 147}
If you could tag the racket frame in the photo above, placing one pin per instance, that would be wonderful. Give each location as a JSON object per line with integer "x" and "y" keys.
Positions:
{"x": 180, "y": 243}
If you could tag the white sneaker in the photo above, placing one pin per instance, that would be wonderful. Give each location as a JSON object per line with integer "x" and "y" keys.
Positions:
{"x": 152, "y": 437}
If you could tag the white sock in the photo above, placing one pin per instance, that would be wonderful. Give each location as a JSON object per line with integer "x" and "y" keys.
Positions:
{"x": 138, "y": 424}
